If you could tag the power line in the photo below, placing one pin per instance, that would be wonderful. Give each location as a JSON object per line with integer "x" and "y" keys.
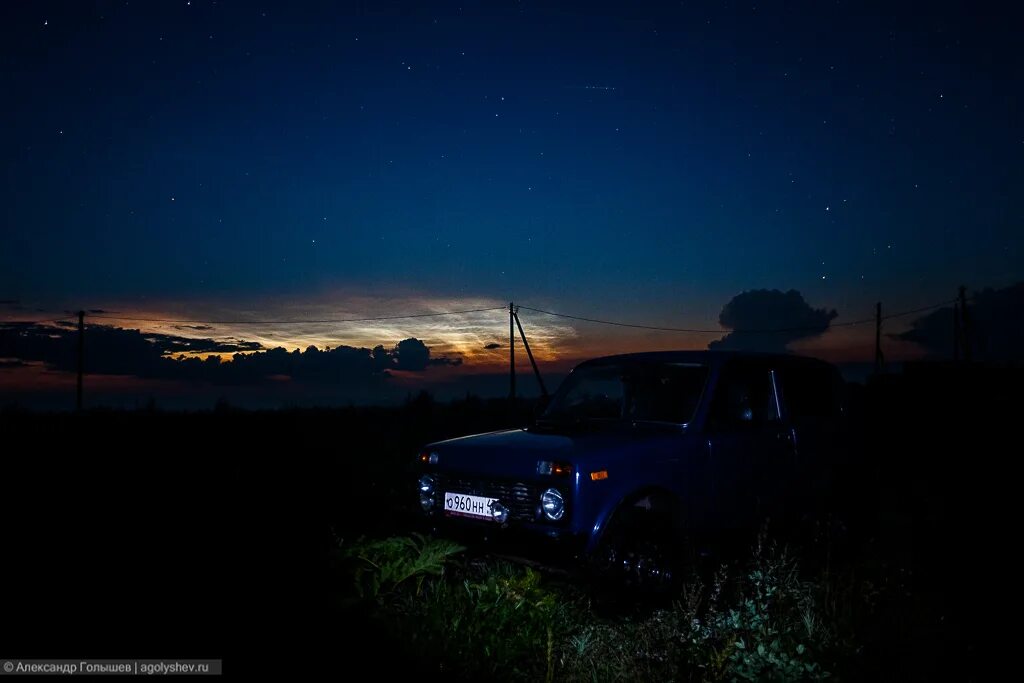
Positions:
{"x": 296, "y": 322}
{"x": 725, "y": 331}
{"x": 617, "y": 324}
{"x": 918, "y": 310}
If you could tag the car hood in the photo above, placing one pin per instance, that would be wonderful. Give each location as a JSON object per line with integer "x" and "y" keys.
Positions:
{"x": 515, "y": 452}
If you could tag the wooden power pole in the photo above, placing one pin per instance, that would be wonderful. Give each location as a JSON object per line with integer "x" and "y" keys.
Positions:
{"x": 81, "y": 358}
{"x": 511, "y": 352}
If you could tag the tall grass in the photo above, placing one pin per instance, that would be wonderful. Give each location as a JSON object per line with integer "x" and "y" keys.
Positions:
{"x": 465, "y": 618}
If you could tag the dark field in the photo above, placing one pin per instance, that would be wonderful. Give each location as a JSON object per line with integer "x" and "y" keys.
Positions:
{"x": 231, "y": 534}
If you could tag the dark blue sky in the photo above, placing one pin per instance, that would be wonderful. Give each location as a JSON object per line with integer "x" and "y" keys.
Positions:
{"x": 639, "y": 161}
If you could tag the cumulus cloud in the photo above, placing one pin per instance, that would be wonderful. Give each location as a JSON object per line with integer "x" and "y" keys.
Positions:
{"x": 996, "y": 320}
{"x": 118, "y": 351}
{"x": 769, "y": 309}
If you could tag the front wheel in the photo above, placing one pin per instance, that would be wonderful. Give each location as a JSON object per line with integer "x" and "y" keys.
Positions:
{"x": 644, "y": 553}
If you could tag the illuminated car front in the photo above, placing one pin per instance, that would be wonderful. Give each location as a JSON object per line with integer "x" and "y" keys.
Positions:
{"x": 542, "y": 498}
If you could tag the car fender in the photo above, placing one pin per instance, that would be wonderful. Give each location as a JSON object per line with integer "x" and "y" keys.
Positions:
{"x": 637, "y": 496}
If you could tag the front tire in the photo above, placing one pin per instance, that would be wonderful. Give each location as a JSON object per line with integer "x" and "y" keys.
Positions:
{"x": 643, "y": 554}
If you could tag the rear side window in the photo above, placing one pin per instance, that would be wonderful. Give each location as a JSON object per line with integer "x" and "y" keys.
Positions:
{"x": 744, "y": 398}
{"x": 810, "y": 393}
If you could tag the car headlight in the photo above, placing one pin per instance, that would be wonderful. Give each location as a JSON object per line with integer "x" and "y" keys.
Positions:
{"x": 553, "y": 504}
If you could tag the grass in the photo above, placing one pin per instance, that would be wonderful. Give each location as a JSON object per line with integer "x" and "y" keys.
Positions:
{"x": 466, "y": 617}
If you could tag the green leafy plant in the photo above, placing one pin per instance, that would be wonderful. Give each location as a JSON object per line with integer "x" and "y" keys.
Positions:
{"x": 770, "y": 631}
{"x": 481, "y": 618}
{"x": 384, "y": 566}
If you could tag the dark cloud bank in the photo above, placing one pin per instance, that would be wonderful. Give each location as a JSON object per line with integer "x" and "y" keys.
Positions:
{"x": 117, "y": 351}
{"x": 996, "y": 321}
{"x": 769, "y": 309}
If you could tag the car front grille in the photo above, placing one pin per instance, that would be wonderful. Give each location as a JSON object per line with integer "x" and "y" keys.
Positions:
{"x": 521, "y": 498}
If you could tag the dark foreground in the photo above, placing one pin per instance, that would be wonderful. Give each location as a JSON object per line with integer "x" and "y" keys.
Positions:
{"x": 231, "y": 535}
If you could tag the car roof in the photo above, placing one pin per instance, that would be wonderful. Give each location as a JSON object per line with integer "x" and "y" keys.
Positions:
{"x": 704, "y": 357}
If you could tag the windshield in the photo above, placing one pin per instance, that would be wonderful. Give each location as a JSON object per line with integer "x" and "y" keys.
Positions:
{"x": 649, "y": 392}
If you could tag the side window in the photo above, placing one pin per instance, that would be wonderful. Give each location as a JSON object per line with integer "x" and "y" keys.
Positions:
{"x": 810, "y": 394}
{"x": 744, "y": 399}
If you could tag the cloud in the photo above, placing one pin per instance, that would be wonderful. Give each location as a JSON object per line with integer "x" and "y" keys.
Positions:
{"x": 769, "y": 309}
{"x": 996, "y": 320}
{"x": 492, "y": 346}
{"x": 173, "y": 344}
{"x": 200, "y": 328}
{"x": 118, "y": 351}
{"x": 411, "y": 354}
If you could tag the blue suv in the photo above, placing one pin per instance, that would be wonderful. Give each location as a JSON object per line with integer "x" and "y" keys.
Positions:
{"x": 640, "y": 461}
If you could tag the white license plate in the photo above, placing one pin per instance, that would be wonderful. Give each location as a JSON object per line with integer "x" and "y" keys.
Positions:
{"x": 464, "y": 505}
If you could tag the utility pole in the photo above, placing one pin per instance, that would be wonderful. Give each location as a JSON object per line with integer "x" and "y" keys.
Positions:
{"x": 81, "y": 358}
{"x": 526, "y": 345}
{"x": 879, "y": 357}
{"x": 965, "y": 324}
{"x": 511, "y": 352}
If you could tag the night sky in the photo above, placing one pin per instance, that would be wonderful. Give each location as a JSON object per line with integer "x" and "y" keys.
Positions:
{"x": 634, "y": 162}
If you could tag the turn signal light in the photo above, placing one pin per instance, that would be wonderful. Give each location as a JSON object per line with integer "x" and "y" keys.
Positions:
{"x": 557, "y": 469}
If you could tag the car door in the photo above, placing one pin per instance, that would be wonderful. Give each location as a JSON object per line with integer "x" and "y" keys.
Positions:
{"x": 812, "y": 407}
{"x": 751, "y": 451}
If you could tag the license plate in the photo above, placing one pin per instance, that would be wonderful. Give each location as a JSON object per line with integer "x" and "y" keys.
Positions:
{"x": 464, "y": 505}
